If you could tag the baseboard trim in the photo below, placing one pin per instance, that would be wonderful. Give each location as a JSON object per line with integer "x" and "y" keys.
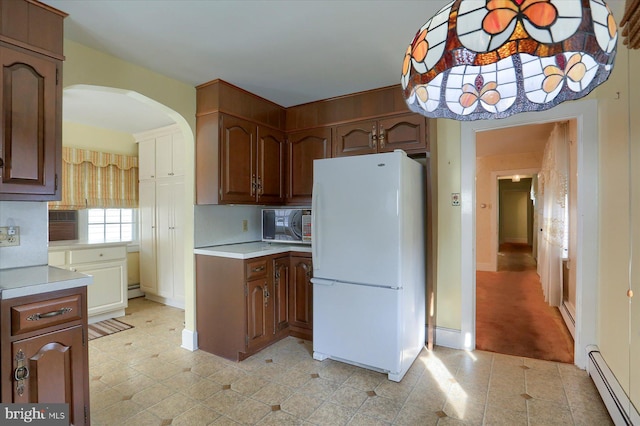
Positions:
{"x": 190, "y": 340}
{"x": 107, "y": 315}
{"x": 620, "y": 409}
{"x": 568, "y": 320}
{"x": 486, "y": 267}
{"x": 165, "y": 300}
{"x": 448, "y": 338}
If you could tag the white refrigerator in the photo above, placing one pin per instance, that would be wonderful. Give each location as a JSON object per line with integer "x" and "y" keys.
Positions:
{"x": 368, "y": 215}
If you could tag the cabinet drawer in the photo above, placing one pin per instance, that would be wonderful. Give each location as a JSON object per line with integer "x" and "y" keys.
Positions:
{"x": 57, "y": 258}
{"x": 256, "y": 268}
{"x": 97, "y": 254}
{"x": 37, "y": 315}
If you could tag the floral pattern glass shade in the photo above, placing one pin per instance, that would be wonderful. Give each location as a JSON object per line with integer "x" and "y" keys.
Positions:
{"x": 479, "y": 59}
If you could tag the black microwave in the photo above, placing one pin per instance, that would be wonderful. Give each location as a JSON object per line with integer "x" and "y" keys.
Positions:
{"x": 286, "y": 225}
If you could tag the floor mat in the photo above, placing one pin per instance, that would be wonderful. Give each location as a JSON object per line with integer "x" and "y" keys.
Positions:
{"x": 107, "y": 327}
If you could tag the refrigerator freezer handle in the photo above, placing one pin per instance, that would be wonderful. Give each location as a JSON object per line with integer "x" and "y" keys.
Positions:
{"x": 315, "y": 235}
{"x": 320, "y": 281}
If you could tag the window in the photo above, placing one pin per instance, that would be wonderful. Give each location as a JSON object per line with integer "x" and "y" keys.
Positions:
{"x": 109, "y": 225}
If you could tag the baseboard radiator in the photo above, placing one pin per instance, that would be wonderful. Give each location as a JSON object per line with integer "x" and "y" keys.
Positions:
{"x": 620, "y": 409}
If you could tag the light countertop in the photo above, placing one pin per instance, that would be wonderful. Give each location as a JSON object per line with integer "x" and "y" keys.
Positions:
{"x": 81, "y": 244}
{"x": 251, "y": 250}
{"x": 27, "y": 281}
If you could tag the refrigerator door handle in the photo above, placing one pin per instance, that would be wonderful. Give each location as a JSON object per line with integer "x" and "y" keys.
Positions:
{"x": 320, "y": 281}
{"x": 315, "y": 239}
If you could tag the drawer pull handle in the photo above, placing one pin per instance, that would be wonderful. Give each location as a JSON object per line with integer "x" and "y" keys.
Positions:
{"x": 36, "y": 317}
{"x": 258, "y": 269}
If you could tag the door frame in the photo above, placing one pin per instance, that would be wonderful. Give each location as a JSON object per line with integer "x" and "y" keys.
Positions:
{"x": 585, "y": 112}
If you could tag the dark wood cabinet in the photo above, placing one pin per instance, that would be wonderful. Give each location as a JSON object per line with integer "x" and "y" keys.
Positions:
{"x": 281, "y": 273}
{"x": 45, "y": 351}
{"x": 259, "y": 313}
{"x": 304, "y": 147}
{"x": 301, "y": 297}
{"x": 31, "y": 40}
{"x": 406, "y": 131}
{"x": 251, "y": 162}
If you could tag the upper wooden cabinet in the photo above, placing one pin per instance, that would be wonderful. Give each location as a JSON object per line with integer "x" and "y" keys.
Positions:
{"x": 304, "y": 147}
{"x": 407, "y": 132}
{"x": 251, "y": 162}
{"x": 30, "y": 100}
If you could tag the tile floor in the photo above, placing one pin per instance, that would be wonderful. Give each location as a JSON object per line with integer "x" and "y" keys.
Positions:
{"x": 142, "y": 377}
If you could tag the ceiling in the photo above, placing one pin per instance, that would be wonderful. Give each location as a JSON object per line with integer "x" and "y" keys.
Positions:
{"x": 513, "y": 140}
{"x": 290, "y": 52}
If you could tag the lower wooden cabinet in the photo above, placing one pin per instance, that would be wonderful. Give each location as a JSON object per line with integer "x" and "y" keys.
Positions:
{"x": 301, "y": 297}
{"x": 242, "y": 306}
{"x": 44, "y": 351}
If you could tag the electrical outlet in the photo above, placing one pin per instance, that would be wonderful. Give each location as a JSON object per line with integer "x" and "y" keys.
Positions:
{"x": 455, "y": 198}
{"x": 9, "y": 236}
{"x": 245, "y": 225}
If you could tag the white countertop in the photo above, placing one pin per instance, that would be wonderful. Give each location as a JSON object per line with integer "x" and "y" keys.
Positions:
{"x": 27, "y": 281}
{"x": 251, "y": 250}
{"x": 79, "y": 244}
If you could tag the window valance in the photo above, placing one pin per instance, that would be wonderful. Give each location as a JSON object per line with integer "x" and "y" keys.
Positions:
{"x": 98, "y": 159}
{"x": 92, "y": 179}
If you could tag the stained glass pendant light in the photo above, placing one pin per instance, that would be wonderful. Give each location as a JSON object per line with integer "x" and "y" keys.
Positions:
{"x": 484, "y": 59}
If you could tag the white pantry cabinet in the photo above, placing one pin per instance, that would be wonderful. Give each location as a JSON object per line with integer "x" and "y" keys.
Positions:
{"x": 160, "y": 153}
{"x": 161, "y": 191}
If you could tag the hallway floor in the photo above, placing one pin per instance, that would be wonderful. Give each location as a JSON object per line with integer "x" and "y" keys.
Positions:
{"x": 141, "y": 377}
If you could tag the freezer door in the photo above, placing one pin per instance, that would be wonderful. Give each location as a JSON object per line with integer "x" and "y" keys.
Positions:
{"x": 356, "y": 323}
{"x": 356, "y": 219}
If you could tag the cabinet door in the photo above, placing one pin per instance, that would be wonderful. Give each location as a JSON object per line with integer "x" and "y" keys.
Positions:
{"x": 237, "y": 160}
{"x": 281, "y": 292}
{"x": 56, "y": 371}
{"x": 177, "y": 154}
{"x": 147, "y": 159}
{"x": 270, "y": 172}
{"x": 29, "y": 96}
{"x": 147, "y": 207}
{"x": 109, "y": 289}
{"x": 301, "y": 293}
{"x": 356, "y": 138}
{"x": 164, "y": 156}
{"x": 407, "y": 132}
{"x": 304, "y": 147}
{"x": 170, "y": 237}
{"x": 259, "y": 313}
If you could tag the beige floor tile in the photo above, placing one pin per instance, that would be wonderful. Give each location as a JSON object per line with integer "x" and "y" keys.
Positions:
{"x": 301, "y": 406}
{"x": 145, "y": 418}
{"x": 392, "y": 390}
{"x": 158, "y": 370}
{"x": 202, "y": 390}
{"x": 224, "y": 401}
{"x": 498, "y": 416}
{"x": 196, "y": 416}
{"x": 224, "y": 421}
{"x": 249, "y": 411}
{"x": 349, "y": 397}
{"x": 547, "y": 413}
{"x": 116, "y": 414}
{"x": 319, "y": 388}
{"x": 362, "y": 420}
{"x": 135, "y": 384}
{"x": 279, "y": 418}
{"x": 411, "y": 415}
{"x": 227, "y": 375}
{"x": 152, "y": 395}
{"x": 331, "y": 414}
{"x": 173, "y": 406}
{"x": 104, "y": 399}
{"x": 598, "y": 417}
{"x": 249, "y": 385}
{"x": 468, "y": 410}
{"x": 273, "y": 394}
{"x": 365, "y": 379}
{"x": 381, "y": 408}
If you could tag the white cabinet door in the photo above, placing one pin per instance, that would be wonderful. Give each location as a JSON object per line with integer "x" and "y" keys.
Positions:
{"x": 147, "y": 159}
{"x": 108, "y": 291}
{"x": 164, "y": 156}
{"x": 177, "y": 150}
{"x": 170, "y": 237}
{"x": 147, "y": 208}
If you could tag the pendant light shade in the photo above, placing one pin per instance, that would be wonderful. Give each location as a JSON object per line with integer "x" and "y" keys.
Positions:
{"x": 485, "y": 59}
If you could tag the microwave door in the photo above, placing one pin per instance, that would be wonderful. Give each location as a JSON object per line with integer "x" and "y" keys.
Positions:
{"x": 268, "y": 224}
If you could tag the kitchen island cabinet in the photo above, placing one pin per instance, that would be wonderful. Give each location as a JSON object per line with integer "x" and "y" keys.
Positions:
{"x": 30, "y": 101}
{"x": 43, "y": 339}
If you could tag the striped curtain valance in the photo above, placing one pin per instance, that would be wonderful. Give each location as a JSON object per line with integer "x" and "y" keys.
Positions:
{"x": 93, "y": 179}
{"x": 631, "y": 23}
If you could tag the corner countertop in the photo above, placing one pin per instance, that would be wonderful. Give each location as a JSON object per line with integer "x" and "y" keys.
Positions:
{"x": 82, "y": 244}
{"x": 30, "y": 280}
{"x": 251, "y": 250}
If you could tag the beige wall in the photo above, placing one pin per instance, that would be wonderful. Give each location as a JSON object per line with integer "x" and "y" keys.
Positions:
{"x": 87, "y": 66}
{"x": 98, "y": 139}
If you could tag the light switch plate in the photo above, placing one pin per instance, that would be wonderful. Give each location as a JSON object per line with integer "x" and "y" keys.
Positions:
{"x": 9, "y": 236}
{"x": 455, "y": 198}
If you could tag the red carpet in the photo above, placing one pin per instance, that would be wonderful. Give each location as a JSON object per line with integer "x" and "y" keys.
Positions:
{"x": 511, "y": 314}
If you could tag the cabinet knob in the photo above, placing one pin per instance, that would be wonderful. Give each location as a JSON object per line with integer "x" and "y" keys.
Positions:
{"x": 630, "y": 293}
{"x": 381, "y": 137}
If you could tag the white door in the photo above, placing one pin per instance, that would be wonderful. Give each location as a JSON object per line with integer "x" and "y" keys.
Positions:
{"x": 356, "y": 226}
{"x": 147, "y": 207}
{"x": 147, "y": 159}
{"x": 357, "y": 323}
